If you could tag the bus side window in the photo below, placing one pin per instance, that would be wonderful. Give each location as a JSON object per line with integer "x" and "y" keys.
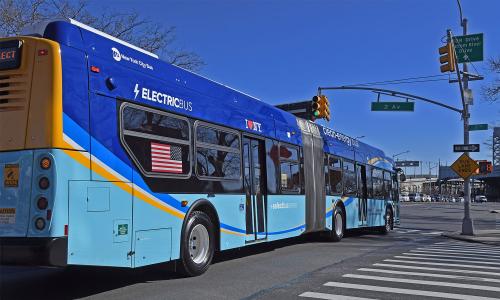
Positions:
{"x": 349, "y": 176}
{"x": 289, "y": 169}
{"x": 378, "y": 184}
{"x": 335, "y": 174}
{"x": 387, "y": 185}
{"x": 158, "y": 142}
{"x": 217, "y": 153}
{"x": 369, "y": 183}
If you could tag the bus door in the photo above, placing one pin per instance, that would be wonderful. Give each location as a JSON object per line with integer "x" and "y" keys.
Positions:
{"x": 255, "y": 189}
{"x": 362, "y": 195}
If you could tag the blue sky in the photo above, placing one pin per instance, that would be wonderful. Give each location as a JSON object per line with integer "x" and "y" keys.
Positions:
{"x": 281, "y": 51}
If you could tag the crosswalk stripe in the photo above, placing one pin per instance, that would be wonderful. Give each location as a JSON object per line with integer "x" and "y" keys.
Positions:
{"x": 448, "y": 259}
{"x": 406, "y": 291}
{"x": 437, "y": 269}
{"x": 464, "y": 250}
{"x": 453, "y": 256}
{"x": 458, "y": 277}
{"x": 331, "y": 296}
{"x": 441, "y": 264}
{"x": 461, "y": 254}
{"x": 481, "y": 248}
{"x": 426, "y": 282}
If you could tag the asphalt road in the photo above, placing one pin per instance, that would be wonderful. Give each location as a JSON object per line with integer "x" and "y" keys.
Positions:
{"x": 308, "y": 267}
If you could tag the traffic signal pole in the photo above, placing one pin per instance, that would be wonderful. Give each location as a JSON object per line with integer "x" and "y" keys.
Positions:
{"x": 467, "y": 222}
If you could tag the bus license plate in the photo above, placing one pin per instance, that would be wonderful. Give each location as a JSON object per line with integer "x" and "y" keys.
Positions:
{"x": 11, "y": 175}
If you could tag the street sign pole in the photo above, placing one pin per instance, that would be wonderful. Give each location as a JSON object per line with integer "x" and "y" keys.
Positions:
{"x": 467, "y": 222}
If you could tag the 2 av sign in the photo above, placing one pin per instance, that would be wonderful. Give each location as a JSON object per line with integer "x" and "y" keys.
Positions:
{"x": 393, "y": 106}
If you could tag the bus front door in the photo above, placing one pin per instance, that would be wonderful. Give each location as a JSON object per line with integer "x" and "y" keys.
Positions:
{"x": 255, "y": 189}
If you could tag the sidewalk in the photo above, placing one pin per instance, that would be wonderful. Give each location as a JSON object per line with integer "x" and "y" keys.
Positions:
{"x": 490, "y": 237}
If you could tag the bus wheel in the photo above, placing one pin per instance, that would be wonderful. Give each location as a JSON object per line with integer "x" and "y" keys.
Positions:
{"x": 197, "y": 247}
{"x": 337, "y": 232}
{"x": 388, "y": 222}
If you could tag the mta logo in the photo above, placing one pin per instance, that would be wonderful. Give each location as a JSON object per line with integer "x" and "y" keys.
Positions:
{"x": 116, "y": 54}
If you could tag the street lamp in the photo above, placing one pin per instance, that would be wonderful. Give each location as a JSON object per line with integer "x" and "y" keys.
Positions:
{"x": 404, "y": 152}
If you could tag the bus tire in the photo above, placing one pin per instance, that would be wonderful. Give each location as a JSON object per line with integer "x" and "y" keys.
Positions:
{"x": 338, "y": 225}
{"x": 388, "y": 222}
{"x": 197, "y": 245}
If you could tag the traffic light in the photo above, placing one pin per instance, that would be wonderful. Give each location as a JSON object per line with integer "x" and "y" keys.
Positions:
{"x": 320, "y": 108}
{"x": 327, "y": 108}
{"x": 447, "y": 58}
{"x": 485, "y": 167}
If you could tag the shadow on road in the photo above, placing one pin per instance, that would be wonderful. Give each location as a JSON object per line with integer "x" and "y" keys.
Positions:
{"x": 79, "y": 282}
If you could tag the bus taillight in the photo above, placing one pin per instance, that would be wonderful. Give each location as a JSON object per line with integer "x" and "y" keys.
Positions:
{"x": 45, "y": 163}
{"x": 42, "y": 203}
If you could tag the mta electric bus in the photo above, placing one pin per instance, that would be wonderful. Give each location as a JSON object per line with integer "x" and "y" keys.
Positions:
{"x": 112, "y": 157}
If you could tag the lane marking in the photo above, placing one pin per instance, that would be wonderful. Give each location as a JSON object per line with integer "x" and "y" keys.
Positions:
{"x": 462, "y": 254}
{"x": 437, "y": 269}
{"x": 458, "y": 277}
{"x": 452, "y": 256}
{"x": 448, "y": 259}
{"x": 441, "y": 264}
{"x": 384, "y": 289}
{"x": 426, "y": 282}
{"x": 331, "y": 296}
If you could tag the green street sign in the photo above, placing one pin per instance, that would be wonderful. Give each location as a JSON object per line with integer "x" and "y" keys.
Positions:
{"x": 393, "y": 106}
{"x": 478, "y": 127}
{"x": 469, "y": 48}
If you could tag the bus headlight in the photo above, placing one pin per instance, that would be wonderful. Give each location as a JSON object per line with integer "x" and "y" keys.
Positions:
{"x": 40, "y": 223}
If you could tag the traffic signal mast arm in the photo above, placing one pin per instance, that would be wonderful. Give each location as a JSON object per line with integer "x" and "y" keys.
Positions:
{"x": 390, "y": 92}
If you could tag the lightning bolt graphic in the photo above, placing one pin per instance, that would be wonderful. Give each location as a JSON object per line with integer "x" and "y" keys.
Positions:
{"x": 136, "y": 90}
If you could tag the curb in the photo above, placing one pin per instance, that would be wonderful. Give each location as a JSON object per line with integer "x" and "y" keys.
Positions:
{"x": 470, "y": 239}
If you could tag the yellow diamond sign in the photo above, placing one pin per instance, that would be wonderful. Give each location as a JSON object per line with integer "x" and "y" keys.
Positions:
{"x": 464, "y": 166}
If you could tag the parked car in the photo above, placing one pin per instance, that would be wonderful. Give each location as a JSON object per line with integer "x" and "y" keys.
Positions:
{"x": 403, "y": 197}
{"x": 426, "y": 198}
{"x": 435, "y": 198}
{"x": 481, "y": 199}
{"x": 461, "y": 199}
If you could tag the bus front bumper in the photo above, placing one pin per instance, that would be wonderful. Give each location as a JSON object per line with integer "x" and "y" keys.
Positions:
{"x": 34, "y": 251}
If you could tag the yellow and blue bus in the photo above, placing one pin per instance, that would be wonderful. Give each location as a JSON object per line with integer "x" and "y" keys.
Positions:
{"x": 112, "y": 157}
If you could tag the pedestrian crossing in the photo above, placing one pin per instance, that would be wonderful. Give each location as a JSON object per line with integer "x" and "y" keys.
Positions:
{"x": 447, "y": 270}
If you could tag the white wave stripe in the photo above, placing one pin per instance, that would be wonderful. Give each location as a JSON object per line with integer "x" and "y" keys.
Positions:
{"x": 72, "y": 143}
{"x": 139, "y": 189}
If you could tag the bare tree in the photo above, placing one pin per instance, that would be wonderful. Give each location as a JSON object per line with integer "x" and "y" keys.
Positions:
{"x": 128, "y": 26}
{"x": 491, "y": 92}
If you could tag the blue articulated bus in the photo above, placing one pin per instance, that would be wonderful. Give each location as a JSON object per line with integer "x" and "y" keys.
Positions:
{"x": 112, "y": 157}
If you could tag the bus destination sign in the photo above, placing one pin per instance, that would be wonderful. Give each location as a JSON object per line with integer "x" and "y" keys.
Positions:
{"x": 10, "y": 55}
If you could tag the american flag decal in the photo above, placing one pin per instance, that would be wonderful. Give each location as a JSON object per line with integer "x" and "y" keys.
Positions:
{"x": 166, "y": 158}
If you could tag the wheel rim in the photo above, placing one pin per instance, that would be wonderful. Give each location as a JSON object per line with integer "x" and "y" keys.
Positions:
{"x": 338, "y": 224}
{"x": 199, "y": 243}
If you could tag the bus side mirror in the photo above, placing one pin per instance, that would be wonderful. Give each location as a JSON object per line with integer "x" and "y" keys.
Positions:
{"x": 402, "y": 177}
